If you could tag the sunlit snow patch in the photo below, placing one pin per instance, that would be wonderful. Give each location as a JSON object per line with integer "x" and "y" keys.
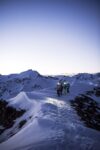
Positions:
{"x": 58, "y": 103}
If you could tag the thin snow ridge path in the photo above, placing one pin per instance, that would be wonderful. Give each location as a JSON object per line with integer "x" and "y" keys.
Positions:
{"x": 65, "y": 114}
{"x": 53, "y": 120}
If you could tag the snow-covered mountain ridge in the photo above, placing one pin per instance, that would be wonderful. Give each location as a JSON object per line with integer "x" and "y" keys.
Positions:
{"x": 33, "y": 117}
{"x": 11, "y": 85}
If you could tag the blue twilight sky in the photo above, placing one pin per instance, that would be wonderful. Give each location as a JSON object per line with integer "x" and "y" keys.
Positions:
{"x": 50, "y": 36}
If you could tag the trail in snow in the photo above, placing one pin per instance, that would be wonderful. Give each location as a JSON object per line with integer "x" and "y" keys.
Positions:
{"x": 53, "y": 126}
{"x": 71, "y": 130}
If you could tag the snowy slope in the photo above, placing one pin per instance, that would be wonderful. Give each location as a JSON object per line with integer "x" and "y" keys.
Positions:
{"x": 11, "y": 85}
{"x": 50, "y": 121}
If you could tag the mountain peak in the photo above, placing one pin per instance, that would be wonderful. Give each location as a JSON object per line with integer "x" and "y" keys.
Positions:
{"x": 29, "y": 73}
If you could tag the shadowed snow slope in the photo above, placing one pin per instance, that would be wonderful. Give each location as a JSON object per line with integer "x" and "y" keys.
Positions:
{"x": 49, "y": 121}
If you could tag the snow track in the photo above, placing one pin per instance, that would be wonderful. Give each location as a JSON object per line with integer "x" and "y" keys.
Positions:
{"x": 54, "y": 125}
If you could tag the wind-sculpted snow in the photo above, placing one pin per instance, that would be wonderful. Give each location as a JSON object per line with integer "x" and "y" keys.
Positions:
{"x": 53, "y": 123}
{"x": 49, "y": 121}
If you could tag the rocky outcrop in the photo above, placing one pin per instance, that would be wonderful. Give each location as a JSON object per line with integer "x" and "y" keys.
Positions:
{"x": 88, "y": 110}
{"x": 95, "y": 91}
{"x": 8, "y": 115}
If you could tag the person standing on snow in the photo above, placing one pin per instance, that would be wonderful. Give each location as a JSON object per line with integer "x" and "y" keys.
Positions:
{"x": 59, "y": 88}
{"x": 68, "y": 86}
{"x": 64, "y": 87}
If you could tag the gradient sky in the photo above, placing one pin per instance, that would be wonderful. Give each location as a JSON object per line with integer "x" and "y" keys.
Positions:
{"x": 50, "y": 36}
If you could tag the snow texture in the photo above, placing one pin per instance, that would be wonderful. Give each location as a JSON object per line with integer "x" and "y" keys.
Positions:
{"x": 51, "y": 121}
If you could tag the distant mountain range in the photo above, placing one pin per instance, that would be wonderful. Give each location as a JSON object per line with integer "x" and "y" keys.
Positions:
{"x": 11, "y": 85}
{"x": 32, "y": 116}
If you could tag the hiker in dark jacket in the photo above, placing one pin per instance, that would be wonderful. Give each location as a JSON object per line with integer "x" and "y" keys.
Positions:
{"x": 64, "y": 88}
{"x": 59, "y": 88}
{"x": 68, "y": 86}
